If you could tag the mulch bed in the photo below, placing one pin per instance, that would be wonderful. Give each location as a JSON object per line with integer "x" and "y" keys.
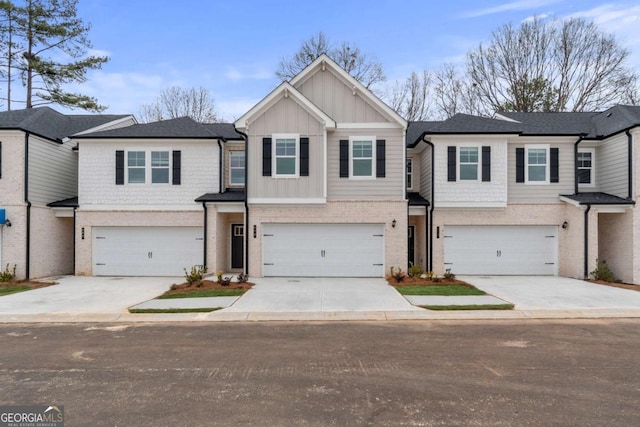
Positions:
{"x": 204, "y": 285}
{"x": 616, "y": 285}
{"x": 32, "y": 285}
{"x": 416, "y": 281}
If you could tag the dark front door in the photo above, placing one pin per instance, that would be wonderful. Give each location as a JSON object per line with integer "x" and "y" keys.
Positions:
{"x": 412, "y": 245}
{"x": 237, "y": 245}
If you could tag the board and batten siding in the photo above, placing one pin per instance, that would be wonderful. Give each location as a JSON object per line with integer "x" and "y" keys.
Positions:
{"x": 53, "y": 171}
{"x": 612, "y": 166}
{"x": 286, "y": 116}
{"x": 199, "y": 173}
{"x": 390, "y": 187}
{"x": 330, "y": 93}
{"x": 522, "y": 192}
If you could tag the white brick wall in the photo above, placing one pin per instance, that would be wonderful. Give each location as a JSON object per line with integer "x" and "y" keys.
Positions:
{"x": 469, "y": 193}
{"x": 337, "y": 212}
{"x": 199, "y": 173}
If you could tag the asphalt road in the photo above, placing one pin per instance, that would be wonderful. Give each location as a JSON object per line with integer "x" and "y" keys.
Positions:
{"x": 538, "y": 373}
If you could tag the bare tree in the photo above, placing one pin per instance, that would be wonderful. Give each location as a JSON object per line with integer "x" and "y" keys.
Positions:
{"x": 363, "y": 68}
{"x": 453, "y": 93}
{"x": 550, "y": 66}
{"x": 197, "y": 103}
{"x": 412, "y": 98}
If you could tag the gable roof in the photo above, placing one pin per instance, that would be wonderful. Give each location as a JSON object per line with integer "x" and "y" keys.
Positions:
{"x": 182, "y": 127}
{"x": 323, "y": 61}
{"x": 285, "y": 90}
{"x": 51, "y": 124}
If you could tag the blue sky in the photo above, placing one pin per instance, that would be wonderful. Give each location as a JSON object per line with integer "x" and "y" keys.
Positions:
{"x": 233, "y": 47}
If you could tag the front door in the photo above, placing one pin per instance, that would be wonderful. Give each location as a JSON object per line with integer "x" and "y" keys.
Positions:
{"x": 412, "y": 245}
{"x": 237, "y": 246}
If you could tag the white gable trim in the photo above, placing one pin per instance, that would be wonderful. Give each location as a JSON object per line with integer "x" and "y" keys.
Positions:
{"x": 108, "y": 124}
{"x": 285, "y": 90}
{"x": 324, "y": 61}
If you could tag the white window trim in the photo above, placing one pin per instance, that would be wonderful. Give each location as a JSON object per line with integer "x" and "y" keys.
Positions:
{"x": 151, "y": 167}
{"x": 231, "y": 183}
{"x": 373, "y": 156}
{"x": 478, "y": 164}
{"x": 593, "y": 166}
{"x": 274, "y": 163}
{"x": 410, "y": 175}
{"x": 148, "y": 167}
{"x": 528, "y": 147}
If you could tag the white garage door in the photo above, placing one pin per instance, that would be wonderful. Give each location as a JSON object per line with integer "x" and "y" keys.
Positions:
{"x": 501, "y": 250}
{"x": 317, "y": 250}
{"x": 146, "y": 251}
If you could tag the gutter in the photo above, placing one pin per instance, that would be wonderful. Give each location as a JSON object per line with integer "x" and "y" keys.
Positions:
{"x": 630, "y": 163}
{"x": 429, "y": 229}
{"x": 586, "y": 241}
{"x": 26, "y": 199}
{"x": 245, "y": 137}
{"x": 204, "y": 252}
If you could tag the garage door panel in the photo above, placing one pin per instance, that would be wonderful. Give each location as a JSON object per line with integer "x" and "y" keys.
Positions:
{"x": 317, "y": 250}
{"x": 146, "y": 251}
{"x": 501, "y": 250}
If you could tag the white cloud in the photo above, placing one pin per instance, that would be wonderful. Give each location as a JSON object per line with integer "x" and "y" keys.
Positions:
{"x": 508, "y": 7}
{"x": 232, "y": 109}
{"x": 233, "y": 73}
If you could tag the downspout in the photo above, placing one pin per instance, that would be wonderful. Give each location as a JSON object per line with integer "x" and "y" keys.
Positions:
{"x": 575, "y": 164}
{"x": 220, "y": 176}
{"x": 26, "y": 199}
{"x": 429, "y": 229}
{"x": 204, "y": 252}
{"x": 246, "y": 195}
{"x": 586, "y": 241}
{"x": 630, "y": 161}
{"x": 74, "y": 241}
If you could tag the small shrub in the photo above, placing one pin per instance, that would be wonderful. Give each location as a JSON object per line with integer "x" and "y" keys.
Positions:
{"x": 195, "y": 275}
{"x": 435, "y": 279}
{"x": 242, "y": 278}
{"x": 448, "y": 275}
{"x": 602, "y": 272}
{"x": 225, "y": 281}
{"x": 219, "y": 275}
{"x": 415, "y": 270}
{"x": 428, "y": 275}
{"x": 8, "y": 275}
{"x": 397, "y": 275}
{"x": 174, "y": 287}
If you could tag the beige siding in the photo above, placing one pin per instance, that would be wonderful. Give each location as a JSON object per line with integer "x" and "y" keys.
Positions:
{"x": 612, "y": 166}
{"x": 522, "y": 192}
{"x": 53, "y": 171}
{"x": 332, "y": 95}
{"x": 286, "y": 116}
{"x": 389, "y": 187}
{"x": 415, "y": 180}
{"x": 425, "y": 173}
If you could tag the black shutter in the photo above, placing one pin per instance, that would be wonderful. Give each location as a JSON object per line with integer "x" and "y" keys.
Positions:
{"x": 554, "y": 173}
{"x": 486, "y": 164}
{"x": 177, "y": 156}
{"x": 519, "y": 164}
{"x": 451, "y": 163}
{"x": 344, "y": 158}
{"x": 381, "y": 153}
{"x": 119, "y": 167}
{"x": 304, "y": 156}
{"x": 266, "y": 156}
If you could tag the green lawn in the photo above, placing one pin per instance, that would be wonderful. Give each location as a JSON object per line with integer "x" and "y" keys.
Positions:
{"x": 469, "y": 307}
{"x": 205, "y": 293}
{"x": 171, "y": 310}
{"x": 446, "y": 290}
{"x": 13, "y": 289}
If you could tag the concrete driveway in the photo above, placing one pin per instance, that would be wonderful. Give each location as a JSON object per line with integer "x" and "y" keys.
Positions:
{"x": 554, "y": 293}
{"x": 78, "y": 295}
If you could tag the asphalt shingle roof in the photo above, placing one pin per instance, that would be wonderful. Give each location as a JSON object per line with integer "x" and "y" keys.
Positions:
{"x": 597, "y": 198}
{"x": 51, "y": 124}
{"x": 230, "y": 195}
{"x": 182, "y": 127}
{"x": 415, "y": 199}
{"x": 71, "y": 202}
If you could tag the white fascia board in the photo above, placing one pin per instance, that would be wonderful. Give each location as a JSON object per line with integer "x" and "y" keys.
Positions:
{"x": 63, "y": 212}
{"x": 570, "y": 201}
{"x": 287, "y": 201}
{"x": 106, "y": 125}
{"x": 285, "y": 90}
{"x": 471, "y": 205}
{"x": 505, "y": 118}
{"x": 612, "y": 208}
{"x": 227, "y": 207}
{"x": 369, "y": 125}
{"x": 417, "y": 210}
{"x": 324, "y": 61}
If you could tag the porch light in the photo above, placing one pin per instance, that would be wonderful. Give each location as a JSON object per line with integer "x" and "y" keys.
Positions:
{"x": 565, "y": 225}
{"x": 393, "y": 223}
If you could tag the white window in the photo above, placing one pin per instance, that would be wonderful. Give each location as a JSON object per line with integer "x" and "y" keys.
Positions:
{"x": 585, "y": 167}
{"x": 468, "y": 163}
{"x": 236, "y": 167}
{"x": 537, "y": 164}
{"x": 136, "y": 167}
{"x": 362, "y": 157}
{"x": 285, "y": 155}
{"x": 159, "y": 167}
{"x": 409, "y": 174}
